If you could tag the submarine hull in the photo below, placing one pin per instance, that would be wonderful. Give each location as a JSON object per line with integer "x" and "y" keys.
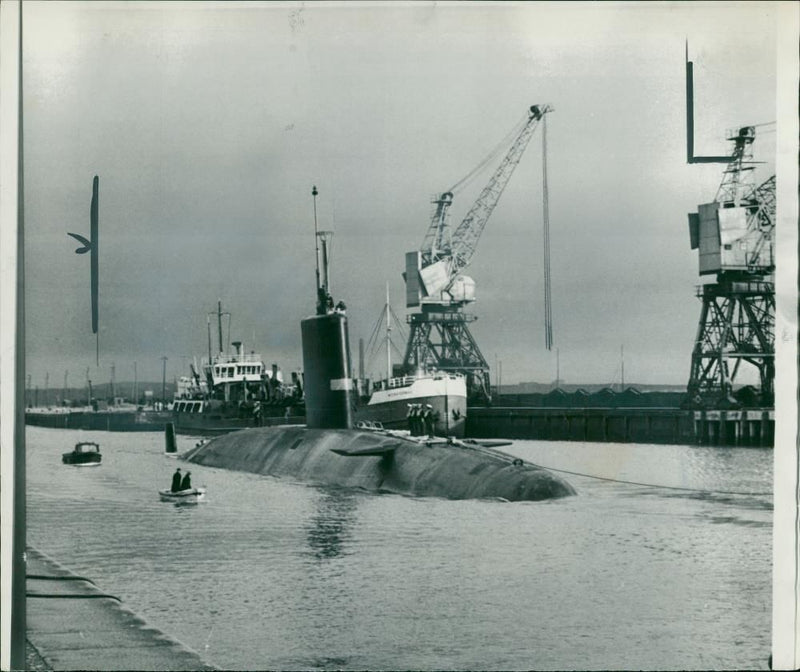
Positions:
{"x": 380, "y": 462}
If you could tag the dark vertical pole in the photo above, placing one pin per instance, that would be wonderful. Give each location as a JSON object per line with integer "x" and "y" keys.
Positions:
{"x": 219, "y": 324}
{"x": 314, "y": 193}
{"x": 325, "y": 266}
{"x": 208, "y": 324}
{"x": 17, "y": 619}
{"x": 169, "y": 439}
{"x": 163, "y": 380}
{"x": 93, "y": 236}
{"x": 361, "y": 358}
{"x": 548, "y": 314}
{"x": 689, "y": 109}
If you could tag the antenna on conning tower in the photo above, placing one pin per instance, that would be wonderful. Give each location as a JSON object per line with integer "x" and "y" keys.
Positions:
{"x": 314, "y": 193}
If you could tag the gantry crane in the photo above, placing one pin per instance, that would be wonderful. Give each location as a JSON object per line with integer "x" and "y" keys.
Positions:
{"x": 734, "y": 237}
{"x": 439, "y": 336}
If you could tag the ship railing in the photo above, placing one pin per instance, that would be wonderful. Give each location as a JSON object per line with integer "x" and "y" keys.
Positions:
{"x": 400, "y": 381}
{"x": 244, "y": 358}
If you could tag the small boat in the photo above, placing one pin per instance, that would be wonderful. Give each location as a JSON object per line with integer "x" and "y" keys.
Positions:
{"x": 188, "y": 496}
{"x": 85, "y": 454}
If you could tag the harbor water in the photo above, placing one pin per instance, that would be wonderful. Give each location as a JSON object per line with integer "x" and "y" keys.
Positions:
{"x": 670, "y": 569}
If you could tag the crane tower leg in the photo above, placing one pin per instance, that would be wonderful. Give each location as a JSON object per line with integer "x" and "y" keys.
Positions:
{"x": 441, "y": 340}
{"x": 737, "y": 325}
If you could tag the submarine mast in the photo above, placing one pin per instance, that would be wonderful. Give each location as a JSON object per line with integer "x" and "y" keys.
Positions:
{"x": 329, "y": 384}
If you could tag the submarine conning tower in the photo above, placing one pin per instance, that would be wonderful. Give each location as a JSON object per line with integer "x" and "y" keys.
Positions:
{"x": 326, "y": 349}
{"x": 326, "y": 365}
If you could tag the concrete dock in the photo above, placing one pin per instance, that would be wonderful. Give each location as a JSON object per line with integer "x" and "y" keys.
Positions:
{"x": 74, "y": 625}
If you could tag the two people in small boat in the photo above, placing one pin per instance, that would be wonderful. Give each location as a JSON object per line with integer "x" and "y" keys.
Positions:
{"x": 181, "y": 482}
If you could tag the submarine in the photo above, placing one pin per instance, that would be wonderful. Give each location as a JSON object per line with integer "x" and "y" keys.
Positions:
{"x": 331, "y": 450}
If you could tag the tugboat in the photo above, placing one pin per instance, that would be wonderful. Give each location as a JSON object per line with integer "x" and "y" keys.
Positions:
{"x": 239, "y": 391}
{"x": 85, "y": 454}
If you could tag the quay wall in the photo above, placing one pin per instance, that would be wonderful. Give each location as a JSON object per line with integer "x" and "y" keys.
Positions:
{"x": 73, "y": 625}
{"x": 624, "y": 425}
{"x": 108, "y": 421}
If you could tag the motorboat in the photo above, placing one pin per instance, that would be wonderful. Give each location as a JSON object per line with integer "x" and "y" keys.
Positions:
{"x": 188, "y": 496}
{"x": 85, "y": 454}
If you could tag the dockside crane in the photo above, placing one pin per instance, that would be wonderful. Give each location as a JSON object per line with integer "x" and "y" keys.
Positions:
{"x": 439, "y": 335}
{"x": 734, "y": 237}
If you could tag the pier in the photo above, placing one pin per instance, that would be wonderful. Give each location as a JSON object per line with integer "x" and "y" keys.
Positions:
{"x": 625, "y": 425}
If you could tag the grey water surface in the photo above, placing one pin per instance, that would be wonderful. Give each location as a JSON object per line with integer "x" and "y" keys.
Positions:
{"x": 272, "y": 574}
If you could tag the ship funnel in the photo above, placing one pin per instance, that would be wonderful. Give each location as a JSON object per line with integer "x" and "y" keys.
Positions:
{"x": 237, "y": 345}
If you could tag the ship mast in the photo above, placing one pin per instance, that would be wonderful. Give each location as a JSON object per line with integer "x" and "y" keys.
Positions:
{"x": 219, "y": 324}
{"x": 388, "y": 337}
{"x": 219, "y": 315}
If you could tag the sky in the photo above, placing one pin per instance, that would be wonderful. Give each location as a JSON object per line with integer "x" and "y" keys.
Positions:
{"x": 208, "y": 124}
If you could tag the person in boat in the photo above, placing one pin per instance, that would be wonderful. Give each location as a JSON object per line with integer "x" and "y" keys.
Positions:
{"x": 176, "y": 480}
{"x": 186, "y": 483}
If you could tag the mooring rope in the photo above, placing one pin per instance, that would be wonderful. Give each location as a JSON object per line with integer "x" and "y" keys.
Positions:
{"x": 653, "y": 485}
{"x": 477, "y": 447}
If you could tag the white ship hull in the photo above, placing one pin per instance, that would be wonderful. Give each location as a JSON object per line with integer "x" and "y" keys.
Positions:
{"x": 446, "y": 394}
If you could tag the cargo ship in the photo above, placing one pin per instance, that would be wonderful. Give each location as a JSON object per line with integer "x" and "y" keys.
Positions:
{"x": 425, "y": 402}
{"x": 430, "y": 403}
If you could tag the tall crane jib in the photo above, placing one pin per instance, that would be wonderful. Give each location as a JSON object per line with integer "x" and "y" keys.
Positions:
{"x": 734, "y": 237}
{"x": 439, "y": 337}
